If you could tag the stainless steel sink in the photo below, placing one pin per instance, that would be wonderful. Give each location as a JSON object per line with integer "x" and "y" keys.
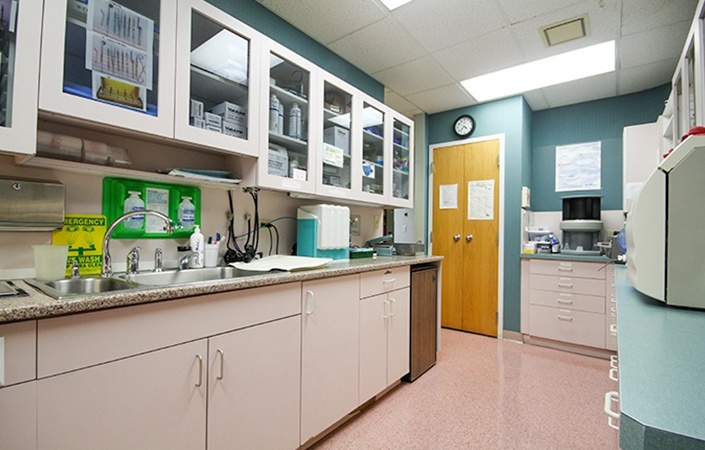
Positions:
{"x": 69, "y": 287}
{"x": 168, "y": 277}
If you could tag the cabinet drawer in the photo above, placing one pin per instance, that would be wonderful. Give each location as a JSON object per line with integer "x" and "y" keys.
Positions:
{"x": 568, "y": 268}
{"x": 574, "y": 285}
{"x": 72, "y": 342}
{"x": 577, "y": 327}
{"x": 567, "y": 300}
{"x": 19, "y": 341}
{"x": 381, "y": 281}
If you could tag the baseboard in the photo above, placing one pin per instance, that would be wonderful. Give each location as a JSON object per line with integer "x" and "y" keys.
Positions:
{"x": 512, "y": 336}
{"x": 568, "y": 347}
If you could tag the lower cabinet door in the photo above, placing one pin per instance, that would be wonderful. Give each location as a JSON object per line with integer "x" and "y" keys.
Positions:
{"x": 156, "y": 400}
{"x": 254, "y": 387}
{"x": 374, "y": 315}
{"x": 576, "y": 327}
{"x": 18, "y": 416}
{"x": 398, "y": 334}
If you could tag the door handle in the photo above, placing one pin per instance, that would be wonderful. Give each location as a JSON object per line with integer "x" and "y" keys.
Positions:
{"x": 456, "y": 238}
{"x": 468, "y": 238}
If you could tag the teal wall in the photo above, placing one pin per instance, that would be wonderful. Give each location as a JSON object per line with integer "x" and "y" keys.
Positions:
{"x": 512, "y": 117}
{"x": 266, "y": 22}
{"x": 599, "y": 120}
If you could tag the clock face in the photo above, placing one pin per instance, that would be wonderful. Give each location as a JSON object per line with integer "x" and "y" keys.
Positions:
{"x": 464, "y": 126}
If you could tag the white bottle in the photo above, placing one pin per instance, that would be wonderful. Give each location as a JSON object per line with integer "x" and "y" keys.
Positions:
{"x": 293, "y": 164}
{"x": 197, "y": 246}
{"x": 280, "y": 119}
{"x": 274, "y": 113}
{"x": 187, "y": 213}
{"x": 295, "y": 121}
{"x": 134, "y": 203}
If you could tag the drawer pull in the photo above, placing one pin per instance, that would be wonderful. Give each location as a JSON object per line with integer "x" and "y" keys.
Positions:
{"x": 565, "y": 269}
{"x": 565, "y": 302}
{"x": 611, "y": 415}
{"x": 566, "y": 318}
{"x": 566, "y": 285}
{"x": 613, "y": 329}
{"x": 614, "y": 374}
{"x": 614, "y": 361}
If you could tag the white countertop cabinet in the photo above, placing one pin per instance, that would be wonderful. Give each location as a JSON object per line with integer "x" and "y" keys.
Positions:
{"x": 20, "y": 35}
{"x": 217, "y": 72}
{"x": 130, "y": 83}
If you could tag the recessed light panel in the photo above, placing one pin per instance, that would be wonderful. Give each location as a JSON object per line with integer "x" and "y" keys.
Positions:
{"x": 570, "y": 66}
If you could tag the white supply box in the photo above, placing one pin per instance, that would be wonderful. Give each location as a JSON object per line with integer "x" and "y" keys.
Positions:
{"x": 196, "y": 109}
{"x": 234, "y": 129}
{"x": 338, "y": 136}
{"x": 213, "y": 120}
{"x": 278, "y": 163}
{"x": 231, "y": 112}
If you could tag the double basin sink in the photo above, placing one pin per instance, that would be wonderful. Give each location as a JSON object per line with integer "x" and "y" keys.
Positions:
{"x": 69, "y": 287}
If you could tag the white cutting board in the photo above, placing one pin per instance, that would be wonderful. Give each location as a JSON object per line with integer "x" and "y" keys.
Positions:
{"x": 282, "y": 262}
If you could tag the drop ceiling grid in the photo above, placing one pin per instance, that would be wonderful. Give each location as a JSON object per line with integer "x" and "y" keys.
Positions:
{"x": 579, "y": 91}
{"x": 518, "y": 11}
{"x": 657, "y": 44}
{"x": 327, "y": 21}
{"x": 639, "y": 78}
{"x": 644, "y": 15}
{"x": 379, "y": 46}
{"x": 400, "y": 104}
{"x": 415, "y": 76}
{"x": 442, "y": 98}
{"x": 437, "y": 24}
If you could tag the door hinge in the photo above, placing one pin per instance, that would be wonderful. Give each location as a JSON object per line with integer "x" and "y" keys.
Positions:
{"x": 497, "y": 238}
{"x": 496, "y": 317}
{"x": 430, "y": 168}
{"x": 497, "y": 160}
{"x": 430, "y": 238}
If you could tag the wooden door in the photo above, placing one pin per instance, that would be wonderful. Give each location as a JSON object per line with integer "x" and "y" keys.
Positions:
{"x": 466, "y": 233}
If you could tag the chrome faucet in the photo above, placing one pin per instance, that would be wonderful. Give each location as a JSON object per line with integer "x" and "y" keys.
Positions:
{"x": 107, "y": 260}
{"x": 158, "y": 259}
{"x": 185, "y": 261}
{"x": 133, "y": 261}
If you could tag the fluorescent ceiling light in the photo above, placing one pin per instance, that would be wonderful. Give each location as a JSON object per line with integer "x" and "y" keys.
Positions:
{"x": 393, "y": 4}
{"x": 583, "y": 63}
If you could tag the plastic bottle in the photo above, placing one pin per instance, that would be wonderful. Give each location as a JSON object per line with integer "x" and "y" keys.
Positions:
{"x": 187, "y": 213}
{"x": 295, "y": 121}
{"x": 274, "y": 113}
{"x": 134, "y": 203}
{"x": 293, "y": 164}
{"x": 280, "y": 119}
{"x": 197, "y": 246}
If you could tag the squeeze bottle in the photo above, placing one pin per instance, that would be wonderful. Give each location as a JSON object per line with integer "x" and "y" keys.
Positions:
{"x": 197, "y": 246}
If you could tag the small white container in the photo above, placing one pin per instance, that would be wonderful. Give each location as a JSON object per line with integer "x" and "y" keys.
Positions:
{"x": 211, "y": 255}
{"x": 197, "y": 246}
{"x": 50, "y": 261}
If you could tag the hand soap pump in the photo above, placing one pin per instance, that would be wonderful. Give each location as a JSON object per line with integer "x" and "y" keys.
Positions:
{"x": 197, "y": 246}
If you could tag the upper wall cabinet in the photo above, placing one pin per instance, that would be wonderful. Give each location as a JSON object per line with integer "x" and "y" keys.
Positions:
{"x": 20, "y": 33}
{"x": 217, "y": 79}
{"x": 402, "y": 189}
{"x": 288, "y": 119}
{"x": 110, "y": 63}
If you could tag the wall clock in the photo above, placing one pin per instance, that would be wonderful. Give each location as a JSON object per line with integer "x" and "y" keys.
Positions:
{"x": 464, "y": 125}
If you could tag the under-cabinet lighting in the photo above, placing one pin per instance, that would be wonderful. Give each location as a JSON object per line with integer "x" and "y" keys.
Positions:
{"x": 394, "y": 4}
{"x": 569, "y": 66}
{"x": 224, "y": 54}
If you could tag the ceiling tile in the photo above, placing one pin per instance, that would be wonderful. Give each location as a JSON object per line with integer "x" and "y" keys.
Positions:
{"x": 437, "y": 24}
{"x": 579, "y": 91}
{"x": 326, "y": 21}
{"x": 442, "y": 98}
{"x": 419, "y": 75}
{"x": 493, "y": 51}
{"x": 643, "y": 15}
{"x": 379, "y": 46}
{"x": 536, "y": 100}
{"x": 518, "y": 11}
{"x": 654, "y": 45}
{"x": 635, "y": 79}
{"x": 400, "y": 104}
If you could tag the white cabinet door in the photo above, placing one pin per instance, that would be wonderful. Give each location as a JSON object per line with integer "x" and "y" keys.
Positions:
{"x": 217, "y": 74}
{"x": 20, "y": 37}
{"x": 401, "y": 167}
{"x": 18, "y": 416}
{"x": 398, "y": 334}
{"x": 110, "y": 65}
{"x": 254, "y": 387}
{"x": 330, "y": 352}
{"x": 156, "y": 400}
{"x": 374, "y": 315}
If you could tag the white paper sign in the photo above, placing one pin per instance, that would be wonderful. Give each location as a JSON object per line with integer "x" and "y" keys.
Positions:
{"x": 448, "y": 196}
{"x": 481, "y": 200}
{"x": 157, "y": 200}
{"x": 578, "y": 167}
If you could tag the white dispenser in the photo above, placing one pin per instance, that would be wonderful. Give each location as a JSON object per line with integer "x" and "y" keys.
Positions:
{"x": 197, "y": 246}
{"x": 134, "y": 203}
{"x": 187, "y": 213}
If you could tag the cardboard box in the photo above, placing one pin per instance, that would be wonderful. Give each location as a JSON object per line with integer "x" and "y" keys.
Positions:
{"x": 278, "y": 161}
{"x": 234, "y": 129}
{"x": 213, "y": 119}
{"x": 337, "y": 136}
{"x": 198, "y": 123}
{"x": 231, "y": 112}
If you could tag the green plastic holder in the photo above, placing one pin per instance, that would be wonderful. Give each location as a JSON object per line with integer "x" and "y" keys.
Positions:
{"x": 116, "y": 191}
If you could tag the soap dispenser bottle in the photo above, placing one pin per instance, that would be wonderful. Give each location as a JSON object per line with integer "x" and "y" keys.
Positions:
{"x": 134, "y": 203}
{"x": 187, "y": 213}
{"x": 197, "y": 246}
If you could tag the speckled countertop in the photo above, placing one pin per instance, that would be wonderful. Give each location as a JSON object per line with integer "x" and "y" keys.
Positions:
{"x": 37, "y": 305}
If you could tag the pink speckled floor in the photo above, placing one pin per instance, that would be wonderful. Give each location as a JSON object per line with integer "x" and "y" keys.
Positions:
{"x": 490, "y": 394}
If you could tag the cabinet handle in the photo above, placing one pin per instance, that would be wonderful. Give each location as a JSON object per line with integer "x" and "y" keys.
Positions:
{"x": 565, "y": 269}
{"x": 614, "y": 374}
{"x": 309, "y": 300}
{"x": 391, "y": 280}
{"x": 392, "y": 304}
{"x": 222, "y": 363}
{"x": 566, "y": 285}
{"x": 200, "y": 370}
{"x": 566, "y": 318}
{"x": 613, "y": 329}
{"x": 565, "y": 302}
{"x": 614, "y": 361}
{"x": 610, "y": 397}
{"x": 385, "y": 314}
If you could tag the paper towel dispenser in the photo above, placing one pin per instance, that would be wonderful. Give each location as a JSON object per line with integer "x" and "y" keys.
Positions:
{"x": 31, "y": 205}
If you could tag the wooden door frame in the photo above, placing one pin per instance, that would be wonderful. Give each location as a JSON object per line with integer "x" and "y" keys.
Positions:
{"x": 500, "y": 254}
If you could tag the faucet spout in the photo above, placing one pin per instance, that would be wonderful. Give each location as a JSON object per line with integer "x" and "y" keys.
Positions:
{"x": 107, "y": 260}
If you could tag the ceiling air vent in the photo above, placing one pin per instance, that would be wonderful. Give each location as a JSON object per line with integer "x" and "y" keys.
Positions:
{"x": 566, "y": 30}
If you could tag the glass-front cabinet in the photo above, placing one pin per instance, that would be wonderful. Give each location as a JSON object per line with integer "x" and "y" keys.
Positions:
{"x": 287, "y": 161}
{"x": 338, "y": 141}
{"x": 375, "y": 154}
{"x": 110, "y": 63}
{"x": 20, "y": 34}
{"x": 217, "y": 79}
{"x": 402, "y": 162}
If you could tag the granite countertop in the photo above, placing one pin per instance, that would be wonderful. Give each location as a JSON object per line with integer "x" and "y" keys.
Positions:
{"x": 661, "y": 371}
{"x": 566, "y": 257}
{"x": 37, "y": 305}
